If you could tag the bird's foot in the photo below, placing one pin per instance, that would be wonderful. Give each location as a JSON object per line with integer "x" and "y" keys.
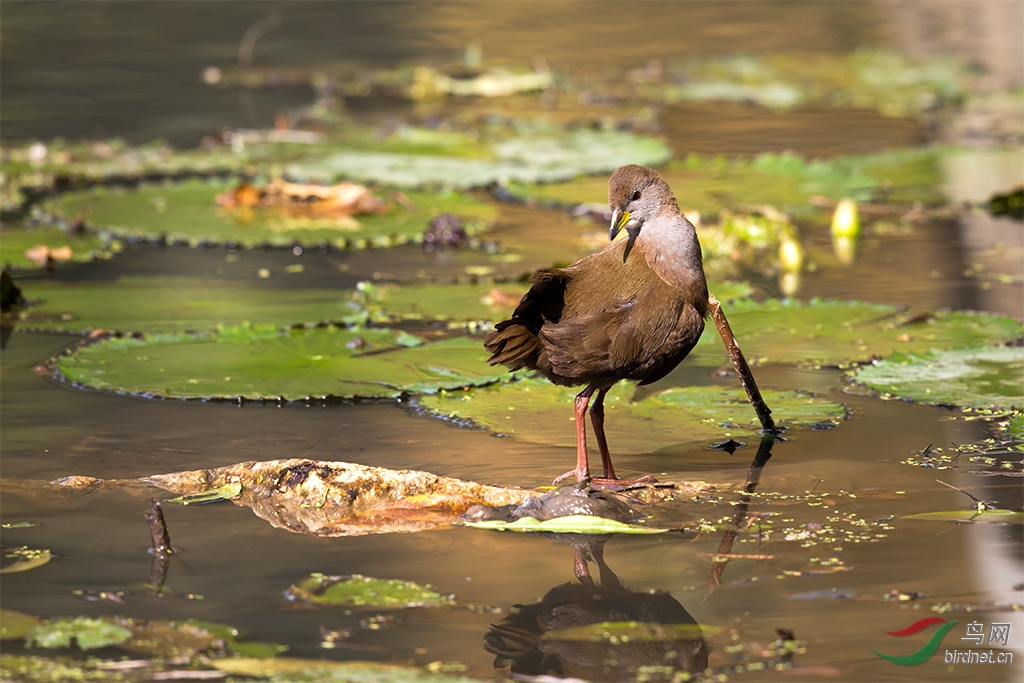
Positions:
{"x": 614, "y": 484}
{"x": 580, "y": 477}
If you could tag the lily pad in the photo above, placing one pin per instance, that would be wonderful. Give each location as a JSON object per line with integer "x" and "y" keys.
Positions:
{"x": 187, "y": 211}
{"x": 985, "y": 377}
{"x": 226, "y": 492}
{"x": 28, "y": 558}
{"x": 364, "y": 591}
{"x": 570, "y": 524}
{"x": 972, "y": 516}
{"x": 14, "y": 625}
{"x": 89, "y": 634}
{"x": 265, "y": 363}
{"x": 342, "y": 499}
{"x": 840, "y": 332}
{"x": 155, "y": 305}
{"x": 538, "y": 411}
{"x": 534, "y": 158}
{"x": 25, "y": 248}
{"x": 786, "y": 181}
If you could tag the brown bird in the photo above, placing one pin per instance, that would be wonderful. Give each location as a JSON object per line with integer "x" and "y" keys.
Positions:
{"x": 633, "y": 310}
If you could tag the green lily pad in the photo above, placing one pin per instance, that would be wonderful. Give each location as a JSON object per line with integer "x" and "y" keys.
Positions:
{"x": 840, "y": 332}
{"x": 986, "y": 377}
{"x": 156, "y": 305}
{"x": 972, "y": 516}
{"x": 570, "y": 524}
{"x": 162, "y": 305}
{"x": 266, "y": 363}
{"x": 538, "y": 411}
{"x": 534, "y": 158}
{"x": 187, "y": 211}
{"x": 364, "y": 591}
{"x": 89, "y": 634}
{"x": 19, "y": 244}
{"x": 786, "y": 181}
{"x": 28, "y": 558}
{"x": 14, "y": 625}
{"x": 887, "y": 81}
{"x": 226, "y": 492}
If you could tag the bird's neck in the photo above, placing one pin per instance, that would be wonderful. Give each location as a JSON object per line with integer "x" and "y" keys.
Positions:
{"x": 672, "y": 251}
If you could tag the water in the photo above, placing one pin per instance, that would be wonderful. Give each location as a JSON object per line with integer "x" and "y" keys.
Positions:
{"x": 137, "y": 76}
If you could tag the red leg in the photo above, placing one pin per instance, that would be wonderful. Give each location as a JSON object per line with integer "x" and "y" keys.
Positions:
{"x": 597, "y": 418}
{"x": 582, "y": 471}
{"x": 609, "y": 479}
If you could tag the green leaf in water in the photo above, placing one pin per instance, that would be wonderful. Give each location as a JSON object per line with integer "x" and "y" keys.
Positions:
{"x": 88, "y": 633}
{"x": 540, "y": 412}
{"x": 570, "y": 524}
{"x": 531, "y": 158}
{"x": 972, "y": 516}
{"x": 266, "y": 363}
{"x": 983, "y": 377}
{"x": 226, "y": 492}
{"x": 840, "y": 332}
{"x": 364, "y": 591}
{"x": 163, "y": 305}
{"x": 28, "y": 558}
{"x": 188, "y": 212}
{"x": 14, "y": 625}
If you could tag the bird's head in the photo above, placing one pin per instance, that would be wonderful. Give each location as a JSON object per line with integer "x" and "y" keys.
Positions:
{"x": 636, "y": 194}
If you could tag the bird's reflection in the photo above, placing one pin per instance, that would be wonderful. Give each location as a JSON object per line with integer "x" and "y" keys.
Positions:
{"x": 597, "y": 631}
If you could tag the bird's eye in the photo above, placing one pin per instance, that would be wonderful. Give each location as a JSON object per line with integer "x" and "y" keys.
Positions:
{"x": 636, "y": 195}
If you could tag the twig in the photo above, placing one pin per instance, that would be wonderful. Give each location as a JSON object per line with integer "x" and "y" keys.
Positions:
{"x": 764, "y": 413}
{"x": 982, "y": 505}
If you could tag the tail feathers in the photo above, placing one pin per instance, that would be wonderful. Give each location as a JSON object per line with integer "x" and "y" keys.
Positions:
{"x": 513, "y": 346}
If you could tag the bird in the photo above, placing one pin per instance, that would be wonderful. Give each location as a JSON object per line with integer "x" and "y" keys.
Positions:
{"x": 632, "y": 311}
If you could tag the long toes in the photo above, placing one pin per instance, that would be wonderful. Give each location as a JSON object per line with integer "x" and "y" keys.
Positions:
{"x": 570, "y": 473}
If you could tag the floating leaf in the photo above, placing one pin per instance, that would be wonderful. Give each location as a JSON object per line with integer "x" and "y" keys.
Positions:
{"x": 14, "y": 625}
{"x": 538, "y": 411}
{"x": 18, "y": 243}
{"x": 160, "y": 305}
{"x": 985, "y": 377}
{"x": 343, "y": 499}
{"x": 840, "y": 332}
{"x": 188, "y": 211}
{"x": 89, "y": 634}
{"x": 534, "y": 158}
{"x": 27, "y": 559}
{"x": 260, "y": 362}
{"x": 709, "y": 184}
{"x": 364, "y": 591}
{"x": 225, "y": 492}
{"x": 156, "y": 304}
{"x": 972, "y": 516}
{"x": 570, "y": 524}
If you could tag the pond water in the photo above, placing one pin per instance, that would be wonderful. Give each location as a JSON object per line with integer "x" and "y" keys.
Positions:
{"x": 136, "y": 74}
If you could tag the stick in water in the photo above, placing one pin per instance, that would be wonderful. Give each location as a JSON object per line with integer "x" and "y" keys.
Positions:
{"x": 764, "y": 414}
